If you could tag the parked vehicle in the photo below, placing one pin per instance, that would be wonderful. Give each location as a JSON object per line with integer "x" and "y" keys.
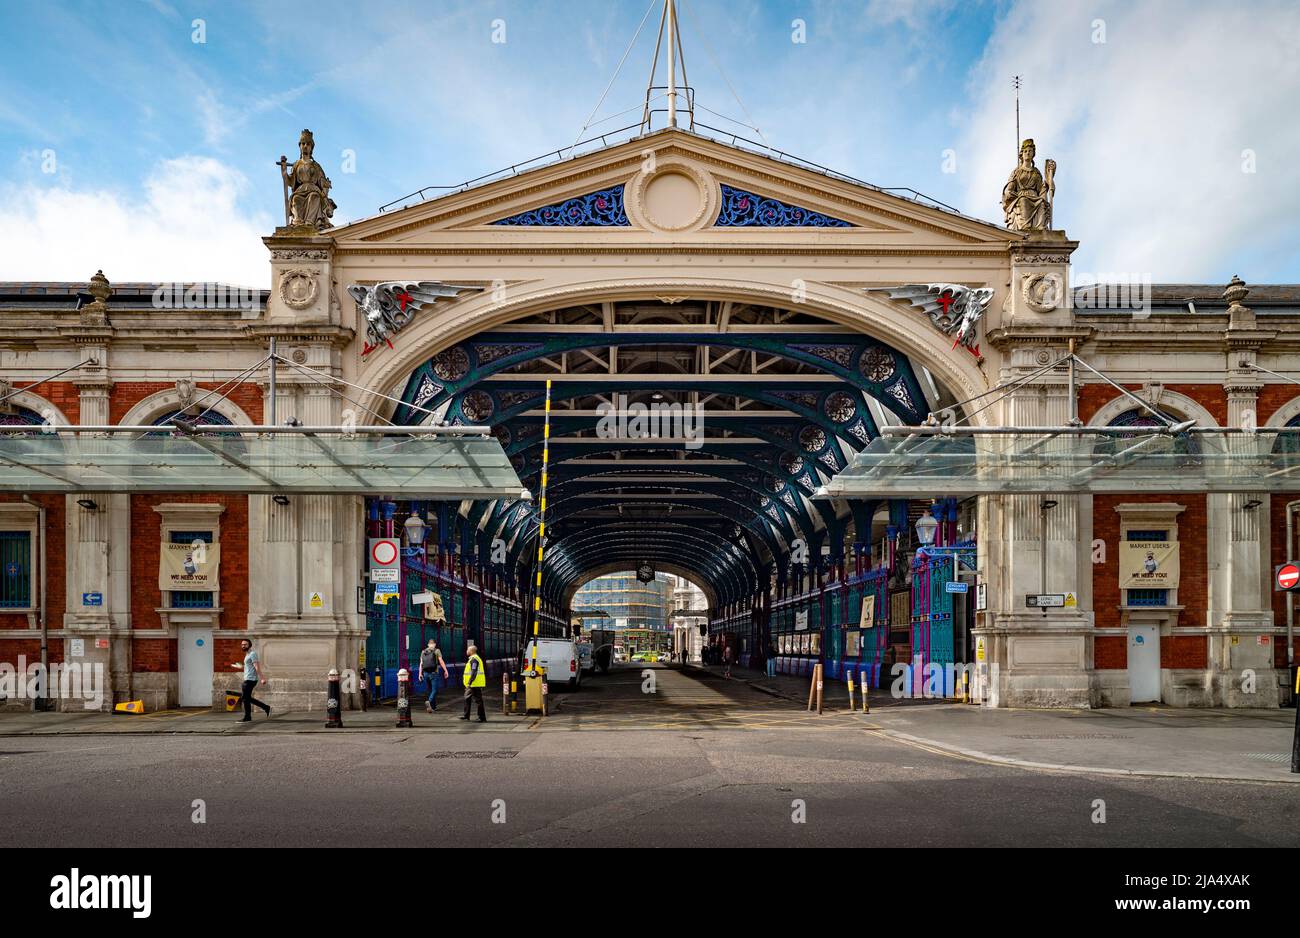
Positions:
{"x": 602, "y": 650}
{"x": 560, "y": 658}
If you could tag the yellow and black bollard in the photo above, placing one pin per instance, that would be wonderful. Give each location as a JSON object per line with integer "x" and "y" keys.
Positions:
{"x": 965, "y": 687}
{"x": 849, "y": 675}
{"x": 514, "y": 693}
{"x": 333, "y": 701}
{"x": 403, "y": 699}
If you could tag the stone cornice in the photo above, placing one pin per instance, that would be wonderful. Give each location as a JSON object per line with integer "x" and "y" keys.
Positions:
{"x": 338, "y": 336}
{"x": 1008, "y": 337}
{"x": 997, "y": 252}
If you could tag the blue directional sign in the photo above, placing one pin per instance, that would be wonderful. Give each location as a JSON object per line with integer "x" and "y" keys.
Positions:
{"x": 12, "y": 569}
{"x": 956, "y": 587}
{"x": 92, "y": 599}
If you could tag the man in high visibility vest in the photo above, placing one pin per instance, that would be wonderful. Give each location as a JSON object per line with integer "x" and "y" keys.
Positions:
{"x": 475, "y": 679}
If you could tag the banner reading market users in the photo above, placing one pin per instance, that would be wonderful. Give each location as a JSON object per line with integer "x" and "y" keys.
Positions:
{"x": 1148, "y": 565}
{"x": 191, "y": 567}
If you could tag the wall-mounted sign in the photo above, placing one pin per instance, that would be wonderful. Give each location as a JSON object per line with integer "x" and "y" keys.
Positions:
{"x": 384, "y": 592}
{"x": 851, "y": 643}
{"x": 101, "y": 643}
{"x": 92, "y": 599}
{"x": 315, "y": 600}
{"x": 1148, "y": 565}
{"x": 389, "y": 307}
{"x": 185, "y": 567}
{"x": 433, "y": 609}
{"x": 981, "y": 596}
{"x": 801, "y": 620}
{"x": 1045, "y": 600}
{"x": 868, "y": 618}
{"x": 76, "y": 648}
{"x": 1287, "y": 577}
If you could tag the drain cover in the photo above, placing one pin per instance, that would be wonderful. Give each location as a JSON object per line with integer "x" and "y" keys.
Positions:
{"x": 1269, "y": 756}
{"x": 477, "y": 754}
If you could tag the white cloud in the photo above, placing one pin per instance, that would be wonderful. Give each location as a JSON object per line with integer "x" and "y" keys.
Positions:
{"x": 1148, "y": 129}
{"x": 187, "y": 226}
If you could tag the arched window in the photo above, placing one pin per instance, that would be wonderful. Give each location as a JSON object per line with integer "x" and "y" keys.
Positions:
{"x": 13, "y": 417}
{"x": 1182, "y": 447}
{"x": 210, "y": 417}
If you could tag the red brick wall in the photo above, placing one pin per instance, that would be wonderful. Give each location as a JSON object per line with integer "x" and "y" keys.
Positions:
{"x": 146, "y": 597}
{"x": 1272, "y": 397}
{"x": 1278, "y": 554}
{"x": 55, "y": 599}
{"x": 64, "y": 395}
{"x": 1184, "y": 651}
{"x": 1092, "y": 397}
{"x": 30, "y": 648}
{"x": 1193, "y": 583}
{"x": 248, "y": 396}
{"x": 1110, "y": 652}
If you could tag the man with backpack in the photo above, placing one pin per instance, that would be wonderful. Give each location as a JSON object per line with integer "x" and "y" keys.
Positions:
{"x": 430, "y": 662}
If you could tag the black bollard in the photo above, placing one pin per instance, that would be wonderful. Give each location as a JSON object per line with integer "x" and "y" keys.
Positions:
{"x": 403, "y": 699}
{"x": 333, "y": 702}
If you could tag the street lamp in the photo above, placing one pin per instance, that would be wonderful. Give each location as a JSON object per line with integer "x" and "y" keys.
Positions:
{"x": 926, "y": 527}
{"x": 415, "y": 530}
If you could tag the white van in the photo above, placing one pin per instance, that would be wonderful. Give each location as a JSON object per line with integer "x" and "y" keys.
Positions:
{"x": 559, "y": 656}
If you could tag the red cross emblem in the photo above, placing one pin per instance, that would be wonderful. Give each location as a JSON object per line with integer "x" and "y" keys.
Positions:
{"x": 946, "y": 300}
{"x": 403, "y": 298}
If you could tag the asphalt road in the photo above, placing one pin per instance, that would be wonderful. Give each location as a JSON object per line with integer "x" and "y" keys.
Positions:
{"x": 700, "y": 763}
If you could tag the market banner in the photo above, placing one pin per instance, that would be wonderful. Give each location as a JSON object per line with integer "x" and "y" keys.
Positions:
{"x": 1148, "y": 565}
{"x": 868, "y": 617}
{"x": 184, "y": 567}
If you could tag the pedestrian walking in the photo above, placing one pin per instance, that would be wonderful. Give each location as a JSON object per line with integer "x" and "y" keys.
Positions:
{"x": 363, "y": 690}
{"x": 726, "y": 662}
{"x": 771, "y": 660}
{"x": 252, "y": 677}
{"x": 475, "y": 679}
{"x": 430, "y": 662}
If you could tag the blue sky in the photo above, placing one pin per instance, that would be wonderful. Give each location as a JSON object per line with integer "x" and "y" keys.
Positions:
{"x": 162, "y": 148}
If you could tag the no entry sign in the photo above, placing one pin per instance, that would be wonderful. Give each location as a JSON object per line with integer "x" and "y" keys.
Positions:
{"x": 1287, "y": 576}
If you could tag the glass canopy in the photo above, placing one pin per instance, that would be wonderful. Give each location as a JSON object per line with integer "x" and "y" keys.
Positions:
{"x": 925, "y": 462}
{"x": 432, "y": 463}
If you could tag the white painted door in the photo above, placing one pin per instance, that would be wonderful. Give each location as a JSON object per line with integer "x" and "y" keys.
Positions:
{"x": 195, "y": 662}
{"x": 1144, "y": 663}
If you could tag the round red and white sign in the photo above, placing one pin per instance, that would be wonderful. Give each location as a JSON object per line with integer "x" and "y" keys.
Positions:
{"x": 1288, "y": 575}
{"x": 384, "y": 552}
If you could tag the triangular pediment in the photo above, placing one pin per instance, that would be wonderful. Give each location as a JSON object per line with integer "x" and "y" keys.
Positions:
{"x": 678, "y": 184}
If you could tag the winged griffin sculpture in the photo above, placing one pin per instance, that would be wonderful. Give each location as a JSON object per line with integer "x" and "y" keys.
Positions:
{"x": 389, "y": 306}
{"x": 953, "y": 308}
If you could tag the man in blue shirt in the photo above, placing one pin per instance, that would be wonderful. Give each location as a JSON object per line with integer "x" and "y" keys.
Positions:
{"x": 252, "y": 677}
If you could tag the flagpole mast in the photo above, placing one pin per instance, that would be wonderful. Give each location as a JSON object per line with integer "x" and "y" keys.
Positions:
{"x": 1015, "y": 83}
{"x": 672, "y": 62}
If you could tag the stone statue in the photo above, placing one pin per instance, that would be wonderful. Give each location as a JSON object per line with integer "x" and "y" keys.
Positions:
{"x": 1027, "y": 196}
{"x": 307, "y": 188}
